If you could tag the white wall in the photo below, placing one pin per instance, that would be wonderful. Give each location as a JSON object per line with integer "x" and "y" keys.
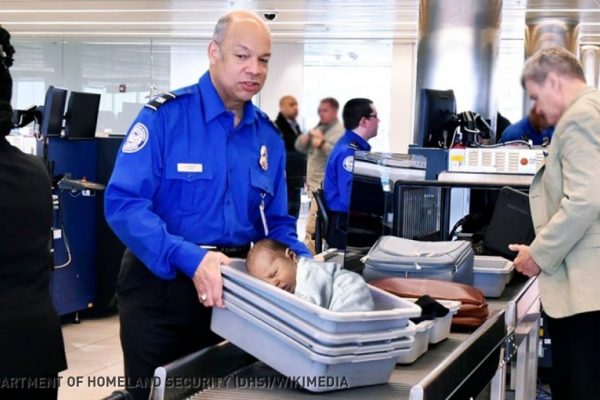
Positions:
{"x": 103, "y": 66}
{"x": 285, "y": 77}
{"x": 188, "y": 63}
{"x": 402, "y": 97}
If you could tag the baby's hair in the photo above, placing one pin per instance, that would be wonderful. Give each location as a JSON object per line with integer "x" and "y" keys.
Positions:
{"x": 272, "y": 247}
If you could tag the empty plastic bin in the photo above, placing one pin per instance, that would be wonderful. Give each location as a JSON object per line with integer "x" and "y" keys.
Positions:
{"x": 310, "y": 370}
{"x": 491, "y": 274}
{"x": 390, "y": 312}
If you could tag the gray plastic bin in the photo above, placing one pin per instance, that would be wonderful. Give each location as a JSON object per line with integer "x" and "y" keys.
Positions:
{"x": 271, "y": 314}
{"x": 440, "y": 329}
{"x": 491, "y": 274}
{"x": 310, "y": 370}
{"x": 419, "y": 345}
{"x": 441, "y": 326}
{"x": 322, "y": 342}
{"x": 390, "y": 312}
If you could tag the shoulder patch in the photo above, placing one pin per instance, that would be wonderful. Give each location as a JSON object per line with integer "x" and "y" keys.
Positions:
{"x": 348, "y": 163}
{"x": 353, "y": 145}
{"x": 159, "y": 100}
{"x": 137, "y": 138}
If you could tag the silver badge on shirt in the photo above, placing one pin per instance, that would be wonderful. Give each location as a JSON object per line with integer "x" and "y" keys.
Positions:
{"x": 264, "y": 159}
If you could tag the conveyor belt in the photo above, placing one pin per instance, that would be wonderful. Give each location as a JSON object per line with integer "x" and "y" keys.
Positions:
{"x": 456, "y": 368}
{"x": 251, "y": 375}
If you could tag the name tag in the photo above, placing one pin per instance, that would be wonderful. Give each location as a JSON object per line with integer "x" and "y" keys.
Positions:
{"x": 184, "y": 167}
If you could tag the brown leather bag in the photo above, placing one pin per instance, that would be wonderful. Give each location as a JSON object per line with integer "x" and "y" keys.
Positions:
{"x": 473, "y": 310}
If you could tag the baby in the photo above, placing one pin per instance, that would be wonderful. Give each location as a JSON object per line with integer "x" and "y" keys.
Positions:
{"x": 325, "y": 284}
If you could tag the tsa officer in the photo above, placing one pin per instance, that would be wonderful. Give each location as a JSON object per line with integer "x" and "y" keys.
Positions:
{"x": 200, "y": 176}
{"x": 361, "y": 123}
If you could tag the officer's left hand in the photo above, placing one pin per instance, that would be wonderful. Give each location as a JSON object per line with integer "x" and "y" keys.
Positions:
{"x": 524, "y": 263}
{"x": 207, "y": 279}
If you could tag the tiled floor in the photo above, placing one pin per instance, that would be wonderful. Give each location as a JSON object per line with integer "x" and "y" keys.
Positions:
{"x": 94, "y": 358}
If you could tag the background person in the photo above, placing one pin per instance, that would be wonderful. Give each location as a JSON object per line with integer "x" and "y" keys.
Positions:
{"x": 201, "y": 166}
{"x": 565, "y": 208}
{"x": 361, "y": 122}
{"x": 318, "y": 143}
{"x": 295, "y": 167}
{"x": 31, "y": 342}
{"x": 533, "y": 127}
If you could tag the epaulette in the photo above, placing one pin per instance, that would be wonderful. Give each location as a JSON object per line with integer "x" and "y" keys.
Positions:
{"x": 353, "y": 145}
{"x": 265, "y": 116}
{"x": 160, "y": 100}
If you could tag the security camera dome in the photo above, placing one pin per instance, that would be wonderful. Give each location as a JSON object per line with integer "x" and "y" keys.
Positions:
{"x": 270, "y": 16}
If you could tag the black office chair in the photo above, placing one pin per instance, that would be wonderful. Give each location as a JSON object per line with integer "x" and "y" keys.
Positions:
{"x": 321, "y": 222}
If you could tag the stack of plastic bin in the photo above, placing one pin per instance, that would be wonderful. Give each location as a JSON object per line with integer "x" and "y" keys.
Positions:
{"x": 320, "y": 350}
{"x": 430, "y": 332}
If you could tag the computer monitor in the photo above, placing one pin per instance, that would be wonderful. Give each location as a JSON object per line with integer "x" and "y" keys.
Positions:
{"x": 53, "y": 111}
{"x": 82, "y": 115}
{"x": 436, "y": 108}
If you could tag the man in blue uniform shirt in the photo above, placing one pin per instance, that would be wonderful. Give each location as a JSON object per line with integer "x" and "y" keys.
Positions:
{"x": 533, "y": 127}
{"x": 361, "y": 123}
{"x": 201, "y": 166}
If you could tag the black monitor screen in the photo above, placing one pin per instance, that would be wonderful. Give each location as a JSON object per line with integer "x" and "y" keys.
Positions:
{"x": 53, "y": 111}
{"x": 435, "y": 109}
{"x": 366, "y": 218}
{"x": 82, "y": 115}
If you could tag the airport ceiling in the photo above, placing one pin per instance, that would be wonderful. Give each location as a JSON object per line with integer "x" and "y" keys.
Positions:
{"x": 295, "y": 20}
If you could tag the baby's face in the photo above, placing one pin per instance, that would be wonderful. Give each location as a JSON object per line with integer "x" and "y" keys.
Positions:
{"x": 281, "y": 272}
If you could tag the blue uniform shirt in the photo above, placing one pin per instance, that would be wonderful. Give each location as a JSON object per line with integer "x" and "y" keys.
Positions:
{"x": 338, "y": 174}
{"x": 185, "y": 176}
{"x": 523, "y": 130}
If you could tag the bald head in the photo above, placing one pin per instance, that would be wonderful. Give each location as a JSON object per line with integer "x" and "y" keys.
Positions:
{"x": 239, "y": 56}
{"x": 233, "y": 17}
{"x": 288, "y": 106}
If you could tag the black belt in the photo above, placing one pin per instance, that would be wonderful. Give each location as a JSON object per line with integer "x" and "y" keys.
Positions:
{"x": 229, "y": 251}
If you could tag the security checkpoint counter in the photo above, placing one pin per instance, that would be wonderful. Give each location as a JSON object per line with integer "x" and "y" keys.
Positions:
{"x": 457, "y": 368}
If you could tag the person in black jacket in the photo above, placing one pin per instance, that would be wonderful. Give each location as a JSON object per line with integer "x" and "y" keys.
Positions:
{"x": 295, "y": 169}
{"x": 31, "y": 343}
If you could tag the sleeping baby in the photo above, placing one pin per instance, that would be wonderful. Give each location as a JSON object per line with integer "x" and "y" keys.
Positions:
{"x": 325, "y": 284}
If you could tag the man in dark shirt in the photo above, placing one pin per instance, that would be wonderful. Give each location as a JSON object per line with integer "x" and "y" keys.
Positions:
{"x": 295, "y": 169}
{"x": 32, "y": 350}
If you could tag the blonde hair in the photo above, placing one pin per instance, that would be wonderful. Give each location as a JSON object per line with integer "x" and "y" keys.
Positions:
{"x": 551, "y": 59}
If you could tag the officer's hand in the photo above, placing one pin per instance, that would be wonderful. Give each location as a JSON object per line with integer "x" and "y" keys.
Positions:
{"x": 524, "y": 263}
{"x": 207, "y": 279}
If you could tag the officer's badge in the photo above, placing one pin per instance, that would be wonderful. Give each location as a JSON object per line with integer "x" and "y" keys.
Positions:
{"x": 137, "y": 138}
{"x": 348, "y": 163}
{"x": 264, "y": 160}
